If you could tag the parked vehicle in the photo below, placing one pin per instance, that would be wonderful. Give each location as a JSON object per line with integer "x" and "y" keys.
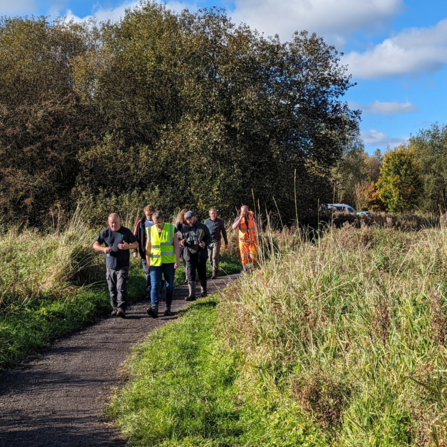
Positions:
{"x": 341, "y": 208}
{"x": 365, "y": 213}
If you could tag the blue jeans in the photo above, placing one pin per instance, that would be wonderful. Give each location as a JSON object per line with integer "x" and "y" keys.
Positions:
{"x": 156, "y": 282}
{"x": 147, "y": 275}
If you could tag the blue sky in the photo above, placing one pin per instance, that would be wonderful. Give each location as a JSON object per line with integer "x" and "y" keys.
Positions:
{"x": 396, "y": 50}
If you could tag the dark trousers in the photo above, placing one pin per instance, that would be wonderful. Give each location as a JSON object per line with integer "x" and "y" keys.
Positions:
{"x": 117, "y": 282}
{"x": 147, "y": 275}
{"x": 168, "y": 271}
{"x": 196, "y": 265}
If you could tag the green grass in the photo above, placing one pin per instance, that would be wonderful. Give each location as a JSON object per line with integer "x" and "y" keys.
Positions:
{"x": 29, "y": 326}
{"x": 182, "y": 392}
{"x": 339, "y": 341}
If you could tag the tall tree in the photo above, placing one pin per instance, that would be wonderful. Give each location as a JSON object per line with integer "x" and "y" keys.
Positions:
{"x": 430, "y": 146}
{"x": 400, "y": 183}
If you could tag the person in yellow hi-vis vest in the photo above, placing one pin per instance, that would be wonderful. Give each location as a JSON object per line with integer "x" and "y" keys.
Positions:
{"x": 162, "y": 258}
{"x": 248, "y": 236}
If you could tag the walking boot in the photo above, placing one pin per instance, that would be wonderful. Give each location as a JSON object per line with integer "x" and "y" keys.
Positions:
{"x": 152, "y": 311}
{"x": 168, "y": 313}
{"x": 192, "y": 291}
{"x": 204, "y": 289}
{"x": 114, "y": 312}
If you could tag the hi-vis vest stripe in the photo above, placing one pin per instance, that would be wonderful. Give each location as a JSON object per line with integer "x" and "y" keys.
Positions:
{"x": 162, "y": 245}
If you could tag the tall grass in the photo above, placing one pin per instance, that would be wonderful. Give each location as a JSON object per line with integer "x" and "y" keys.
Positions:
{"x": 347, "y": 332}
{"x": 36, "y": 265}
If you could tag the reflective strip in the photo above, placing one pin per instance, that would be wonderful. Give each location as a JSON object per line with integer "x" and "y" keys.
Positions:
{"x": 155, "y": 246}
{"x": 165, "y": 244}
{"x": 167, "y": 253}
{"x": 155, "y": 256}
{"x": 245, "y": 256}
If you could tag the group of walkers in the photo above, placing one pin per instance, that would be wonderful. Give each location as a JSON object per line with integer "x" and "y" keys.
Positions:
{"x": 162, "y": 246}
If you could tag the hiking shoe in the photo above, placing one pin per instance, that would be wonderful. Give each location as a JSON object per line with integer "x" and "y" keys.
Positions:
{"x": 114, "y": 312}
{"x": 168, "y": 313}
{"x": 204, "y": 294}
{"x": 120, "y": 313}
{"x": 152, "y": 312}
{"x": 190, "y": 298}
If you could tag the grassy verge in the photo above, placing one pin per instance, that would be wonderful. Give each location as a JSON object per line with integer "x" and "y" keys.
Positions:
{"x": 341, "y": 341}
{"x": 32, "y": 325}
{"x": 183, "y": 391}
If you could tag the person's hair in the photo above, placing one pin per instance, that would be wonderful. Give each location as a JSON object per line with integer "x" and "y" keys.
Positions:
{"x": 212, "y": 209}
{"x": 181, "y": 216}
{"x": 158, "y": 215}
{"x": 149, "y": 209}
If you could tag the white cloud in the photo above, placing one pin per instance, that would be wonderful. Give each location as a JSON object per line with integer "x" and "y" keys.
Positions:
{"x": 385, "y": 108}
{"x": 375, "y": 138}
{"x": 116, "y": 13}
{"x": 413, "y": 51}
{"x": 11, "y": 8}
{"x": 333, "y": 19}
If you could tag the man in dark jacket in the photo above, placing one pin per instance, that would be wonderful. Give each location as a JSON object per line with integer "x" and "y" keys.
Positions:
{"x": 217, "y": 231}
{"x": 140, "y": 236}
{"x": 195, "y": 240}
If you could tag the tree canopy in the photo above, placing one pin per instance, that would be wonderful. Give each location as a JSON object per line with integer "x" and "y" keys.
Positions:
{"x": 185, "y": 110}
{"x": 400, "y": 183}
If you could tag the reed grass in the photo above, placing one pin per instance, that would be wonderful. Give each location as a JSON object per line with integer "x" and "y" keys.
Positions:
{"x": 351, "y": 328}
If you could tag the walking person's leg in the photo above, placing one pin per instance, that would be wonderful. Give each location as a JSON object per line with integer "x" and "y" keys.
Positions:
{"x": 169, "y": 273}
{"x": 191, "y": 276}
{"x": 155, "y": 273}
{"x": 111, "y": 283}
{"x": 215, "y": 260}
{"x": 201, "y": 270}
{"x": 210, "y": 249}
{"x": 122, "y": 276}
{"x": 148, "y": 279}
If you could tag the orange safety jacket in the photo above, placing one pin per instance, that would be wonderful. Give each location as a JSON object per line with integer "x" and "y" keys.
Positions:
{"x": 248, "y": 230}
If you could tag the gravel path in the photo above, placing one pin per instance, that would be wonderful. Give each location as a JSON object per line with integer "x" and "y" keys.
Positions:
{"x": 58, "y": 399}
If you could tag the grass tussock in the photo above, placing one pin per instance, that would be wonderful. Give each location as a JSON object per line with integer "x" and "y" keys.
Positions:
{"x": 351, "y": 328}
{"x": 36, "y": 265}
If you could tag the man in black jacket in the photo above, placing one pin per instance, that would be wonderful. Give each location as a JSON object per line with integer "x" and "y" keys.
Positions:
{"x": 195, "y": 239}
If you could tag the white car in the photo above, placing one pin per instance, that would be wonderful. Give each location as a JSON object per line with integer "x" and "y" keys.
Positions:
{"x": 341, "y": 207}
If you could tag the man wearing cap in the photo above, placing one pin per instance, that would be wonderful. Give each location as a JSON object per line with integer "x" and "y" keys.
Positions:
{"x": 196, "y": 238}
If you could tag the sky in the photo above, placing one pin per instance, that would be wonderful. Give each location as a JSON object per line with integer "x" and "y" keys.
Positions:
{"x": 395, "y": 50}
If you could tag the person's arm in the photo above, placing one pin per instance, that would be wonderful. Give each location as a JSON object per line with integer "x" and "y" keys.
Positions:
{"x": 98, "y": 247}
{"x": 207, "y": 239}
{"x": 148, "y": 258}
{"x": 135, "y": 233}
{"x": 237, "y": 223}
{"x": 129, "y": 246}
{"x": 177, "y": 253}
{"x": 224, "y": 233}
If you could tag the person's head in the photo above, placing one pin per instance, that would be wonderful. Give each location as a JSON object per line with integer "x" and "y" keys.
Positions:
{"x": 244, "y": 210}
{"x": 149, "y": 211}
{"x": 114, "y": 222}
{"x": 213, "y": 213}
{"x": 158, "y": 219}
{"x": 190, "y": 217}
{"x": 181, "y": 216}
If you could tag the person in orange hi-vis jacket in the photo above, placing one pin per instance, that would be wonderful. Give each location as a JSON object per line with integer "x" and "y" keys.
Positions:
{"x": 248, "y": 236}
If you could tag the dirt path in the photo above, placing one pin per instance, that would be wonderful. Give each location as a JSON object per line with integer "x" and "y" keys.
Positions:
{"x": 58, "y": 399}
